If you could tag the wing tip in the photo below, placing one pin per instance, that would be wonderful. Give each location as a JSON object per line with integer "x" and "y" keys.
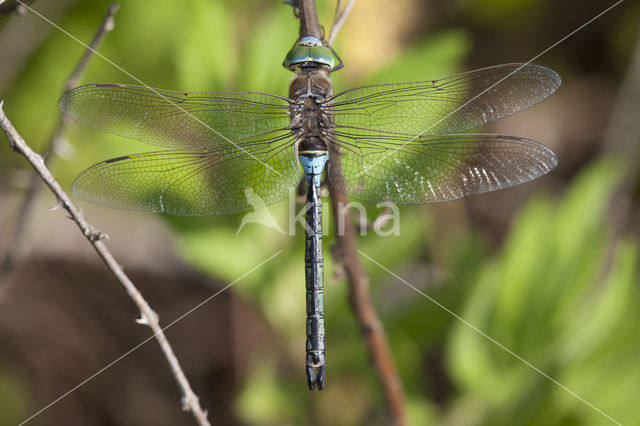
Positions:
{"x": 553, "y": 78}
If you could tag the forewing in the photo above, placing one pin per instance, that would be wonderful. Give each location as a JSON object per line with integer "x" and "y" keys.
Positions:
{"x": 434, "y": 168}
{"x": 194, "y": 182}
{"x": 175, "y": 119}
{"x": 450, "y": 105}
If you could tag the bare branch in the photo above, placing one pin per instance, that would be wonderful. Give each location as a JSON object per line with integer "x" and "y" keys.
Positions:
{"x": 364, "y": 310}
{"x": 147, "y": 315}
{"x": 378, "y": 223}
{"x": 28, "y": 201}
{"x": 308, "y": 15}
{"x": 339, "y": 20}
{"x": 106, "y": 26}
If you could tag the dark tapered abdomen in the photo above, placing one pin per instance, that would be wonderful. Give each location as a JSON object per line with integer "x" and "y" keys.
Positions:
{"x": 313, "y": 164}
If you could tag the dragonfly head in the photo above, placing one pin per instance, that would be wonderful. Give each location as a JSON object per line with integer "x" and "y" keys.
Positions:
{"x": 309, "y": 52}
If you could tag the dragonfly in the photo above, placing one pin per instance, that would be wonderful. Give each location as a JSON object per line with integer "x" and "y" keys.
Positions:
{"x": 406, "y": 143}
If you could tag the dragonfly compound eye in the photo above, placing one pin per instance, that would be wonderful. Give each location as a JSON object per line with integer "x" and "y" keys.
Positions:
{"x": 308, "y": 52}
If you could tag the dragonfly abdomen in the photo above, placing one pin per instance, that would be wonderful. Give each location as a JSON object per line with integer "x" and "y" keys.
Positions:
{"x": 313, "y": 164}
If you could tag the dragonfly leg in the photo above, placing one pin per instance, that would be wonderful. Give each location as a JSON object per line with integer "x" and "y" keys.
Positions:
{"x": 315, "y": 370}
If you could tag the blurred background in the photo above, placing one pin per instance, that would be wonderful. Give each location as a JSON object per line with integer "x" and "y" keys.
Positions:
{"x": 549, "y": 269}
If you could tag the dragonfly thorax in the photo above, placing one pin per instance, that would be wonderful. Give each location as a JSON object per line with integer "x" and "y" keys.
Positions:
{"x": 314, "y": 83}
{"x": 309, "y": 117}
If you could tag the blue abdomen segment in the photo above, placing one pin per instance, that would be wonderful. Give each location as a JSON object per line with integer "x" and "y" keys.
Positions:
{"x": 313, "y": 165}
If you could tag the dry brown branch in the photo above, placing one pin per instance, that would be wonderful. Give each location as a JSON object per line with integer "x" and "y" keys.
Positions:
{"x": 24, "y": 212}
{"x": 309, "y": 24}
{"x": 360, "y": 296}
{"x": 148, "y": 317}
{"x": 362, "y": 222}
{"x": 364, "y": 310}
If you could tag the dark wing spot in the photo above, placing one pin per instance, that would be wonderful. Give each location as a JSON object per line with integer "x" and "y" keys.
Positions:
{"x": 113, "y": 160}
{"x": 108, "y": 85}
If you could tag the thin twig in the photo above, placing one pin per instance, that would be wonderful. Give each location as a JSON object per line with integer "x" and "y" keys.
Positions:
{"x": 148, "y": 317}
{"x": 339, "y": 20}
{"x": 360, "y": 296}
{"x": 105, "y": 27}
{"x": 33, "y": 189}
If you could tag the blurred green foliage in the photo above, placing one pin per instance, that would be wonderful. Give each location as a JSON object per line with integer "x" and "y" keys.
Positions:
{"x": 561, "y": 292}
{"x": 507, "y": 15}
{"x": 13, "y": 404}
{"x": 555, "y": 298}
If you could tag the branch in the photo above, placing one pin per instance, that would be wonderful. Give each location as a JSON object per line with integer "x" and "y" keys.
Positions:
{"x": 339, "y": 20}
{"x": 105, "y": 27}
{"x": 364, "y": 310}
{"x": 308, "y": 15}
{"x": 28, "y": 201}
{"x": 360, "y": 297}
{"x": 148, "y": 317}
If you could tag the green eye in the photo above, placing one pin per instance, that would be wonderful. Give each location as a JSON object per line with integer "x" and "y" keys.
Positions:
{"x": 310, "y": 49}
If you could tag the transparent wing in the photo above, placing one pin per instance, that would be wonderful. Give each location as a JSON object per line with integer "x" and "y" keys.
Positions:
{"x": 205, "y": 181}
{"x": 433, "y": 168}
{"x": 175, "y": 119}
{"x": 450, "y": 105}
